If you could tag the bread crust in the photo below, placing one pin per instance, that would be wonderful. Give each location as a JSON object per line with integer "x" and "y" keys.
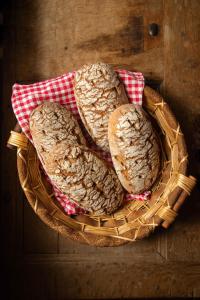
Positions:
{"x": 85, "y": 178}
{"x": 134, "y": 148}
{"x": 98, "y": 93}
{"x": 50, "y": 124}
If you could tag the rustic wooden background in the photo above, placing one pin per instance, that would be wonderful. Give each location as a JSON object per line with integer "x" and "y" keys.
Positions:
{"x": 43, "y": 39}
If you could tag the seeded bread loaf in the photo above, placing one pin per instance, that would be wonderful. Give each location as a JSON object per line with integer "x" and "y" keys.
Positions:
{"x": 72, "y": 167}
{"x": 134, "y": 148}
{"x": 84, "y": 177}
{"x": 98, "y": 92}
{"x": 51, "y": 123}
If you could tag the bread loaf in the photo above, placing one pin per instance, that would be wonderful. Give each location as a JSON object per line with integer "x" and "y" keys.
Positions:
{"x": 84, "y": 177}
{"x": 73, "y": 168}
{"x": 51, "y": 123}
{"x": 98, "y": 92}
{"x": 134, "y": 148}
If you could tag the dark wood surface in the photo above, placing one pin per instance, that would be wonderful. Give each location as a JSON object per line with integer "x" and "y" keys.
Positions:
{"x": 43, "y": 39}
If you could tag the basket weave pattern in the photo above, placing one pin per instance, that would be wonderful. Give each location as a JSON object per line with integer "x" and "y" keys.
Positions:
{"x": 136, "y": 219}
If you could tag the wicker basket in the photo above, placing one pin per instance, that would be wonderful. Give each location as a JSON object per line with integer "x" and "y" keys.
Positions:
{"x": 136, "y": 219}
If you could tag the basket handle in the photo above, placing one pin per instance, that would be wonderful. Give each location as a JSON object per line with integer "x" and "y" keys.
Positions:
{"x": 17, "y": 139}
{"x": 179, "y": 202}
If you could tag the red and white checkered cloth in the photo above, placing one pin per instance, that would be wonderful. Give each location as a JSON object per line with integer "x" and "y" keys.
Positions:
{"x": 27, "y": 97}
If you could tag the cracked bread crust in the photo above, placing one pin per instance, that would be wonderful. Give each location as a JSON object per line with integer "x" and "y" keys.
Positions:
{"x": 84, "y": 177}
{"x": 51, "y": 123}
{"x": 98, "y": 93}
{"x": 134, "y": 148}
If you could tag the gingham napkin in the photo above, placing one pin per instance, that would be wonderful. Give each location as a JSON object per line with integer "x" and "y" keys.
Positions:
{"x": 27, "y": 97}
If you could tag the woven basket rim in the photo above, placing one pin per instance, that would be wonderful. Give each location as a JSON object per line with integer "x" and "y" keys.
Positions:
{"x": 136, "y": 219}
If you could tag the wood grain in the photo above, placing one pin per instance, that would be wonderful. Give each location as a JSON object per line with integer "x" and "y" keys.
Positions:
{"x": 43, "y": 240}
{"x": 95, "y": 280}
{"x": 181, "y": 89}
{"x": 44, "y": 39}
{"x": 143, "y": 251}
{"x": 10, "y": 191}
{"x": 55, "y": 36}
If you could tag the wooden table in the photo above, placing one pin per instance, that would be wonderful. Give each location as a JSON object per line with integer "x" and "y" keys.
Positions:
{"x": 44, "y": 39}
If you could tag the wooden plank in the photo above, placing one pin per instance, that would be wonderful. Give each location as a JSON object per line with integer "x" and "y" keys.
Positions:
{"x": 94, "y": 280}
{"x": 55, "y": 36}
{"x": 146, "y": 250}
{"x": 10, "y": 191}
{"x": 184, "y": 240}
{"x": 182, "y": 45}
{"x": 181, "y": 88}
{"x": 31, "y": 281}
{"x": 164, "y": 280}
{"x": 35, "y": 29}
{"x": 37, "y": 236}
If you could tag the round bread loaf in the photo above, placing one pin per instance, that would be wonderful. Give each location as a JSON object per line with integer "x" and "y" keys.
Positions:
{"x": 98, "y": 93}
{"x": 84, "y": 177}
{"x": 134, "y": 148}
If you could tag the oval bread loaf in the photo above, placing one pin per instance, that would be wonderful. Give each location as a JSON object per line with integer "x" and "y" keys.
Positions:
{"x": 134, "y": 148}
{"x": 84, "y": 177}
{"x": 98, "y": 92}
{"x": 72, "y": 167}
{"x": 51, "y": 123}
